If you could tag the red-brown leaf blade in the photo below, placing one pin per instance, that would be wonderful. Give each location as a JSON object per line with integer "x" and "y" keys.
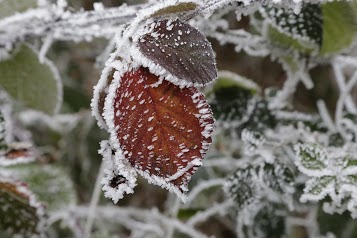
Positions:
{"x": 163, "y": 130}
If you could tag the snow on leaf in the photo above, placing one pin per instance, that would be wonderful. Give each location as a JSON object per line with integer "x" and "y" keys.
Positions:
{"x": 181, "y": 50}
{"x": 163, "y": 131}
{"x": 20, "y": 212}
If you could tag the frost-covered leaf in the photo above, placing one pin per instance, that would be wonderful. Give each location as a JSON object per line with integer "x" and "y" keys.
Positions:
{"x": 306, "y": 25}
{"x": 163, "y": 130}
{"x": 34, "y": 84}
{"x": 288, "y": 30}
{"x": 235, "y": 103}
{"x": 266, "y": 182}
{"x": 311, "y": 158}
{"x": 20, "y": 212}
{"x": 50, "y": 183}
{"x": 10, "y": 7}
{"x": 181, "y": 50}
{"x": 176, "y": 8}
{"x": 316, "y": 189}
{"x": 339, "y": 25}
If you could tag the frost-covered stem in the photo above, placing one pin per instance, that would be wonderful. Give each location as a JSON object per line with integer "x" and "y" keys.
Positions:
{"x": 93, "y": 203}
{"x": 203, "y": 186}
{"x": 221, "y": 209}
{"x": 226, "y": 162}
{"x": 64, "y": 25}
{"x": 283, "y": 95}
{"x": 115, "y": 213}
{"x": 172, "y": 211}
{"x": 325, "y": 115}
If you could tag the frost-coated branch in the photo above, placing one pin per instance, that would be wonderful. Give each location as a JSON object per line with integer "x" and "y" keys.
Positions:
{"x": 54, "y": 22}
{"x": 151, "y": 217}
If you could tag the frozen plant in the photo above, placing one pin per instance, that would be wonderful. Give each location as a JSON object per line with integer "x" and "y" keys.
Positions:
{"x": 263, "y": 144}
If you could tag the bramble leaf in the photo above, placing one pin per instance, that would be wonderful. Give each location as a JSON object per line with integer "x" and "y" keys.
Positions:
{"x": 34, "y": 84}
{"x": 181, "y": 50}
{"x": 311, "y": 158}
{"x": 253, "y": 184}
{"x": 234, "y": 100}
{"x": 50, "y": 183}
{"x": 302, "y": 32}
{"x": 164, "y": 131}
{"x": 20, "y": 212}
{"x": 339, "y": 27}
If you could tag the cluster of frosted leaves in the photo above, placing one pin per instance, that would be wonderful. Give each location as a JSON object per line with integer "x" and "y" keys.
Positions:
{"x": 261, "y": 192}
{"x": 160, "y": 123}
{"x": 235, "y": 104}
{"x": 318, "y": 29}
{"x": 332, "y": 172}
{"x": 260, "y": 183}
{"x": 20, "y": 213}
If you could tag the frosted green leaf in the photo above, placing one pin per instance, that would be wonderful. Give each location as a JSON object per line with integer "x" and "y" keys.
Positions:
{"x": 9, "y": 7}
{"x": 20, "y": 213}
{"x": 287, "y": 42}
{"x": 50, "y": 183}
{"x": 311, "y": 156}
{"x": 34, "y": 84}
{"x": 317, "y": 188}
{"x": 249, "y": 185}
{"x": 288, "y": 30}
{"x": 236, "y": 99}
{"x": 339, "y": 27}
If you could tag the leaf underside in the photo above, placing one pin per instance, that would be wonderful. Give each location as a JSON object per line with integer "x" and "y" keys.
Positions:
{"x": 163, "y": 130}
{"x": 180, "y": 49}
